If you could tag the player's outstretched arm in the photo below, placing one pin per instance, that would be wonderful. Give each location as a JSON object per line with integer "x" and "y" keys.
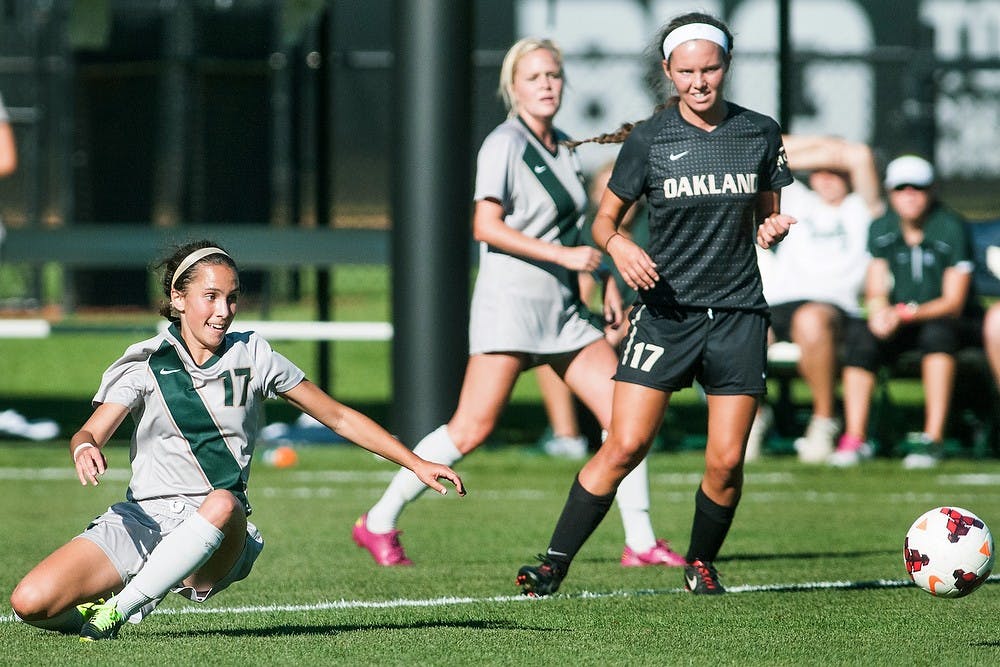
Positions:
{"x": 365, "y": 432}
{"x": 86, "y": 444}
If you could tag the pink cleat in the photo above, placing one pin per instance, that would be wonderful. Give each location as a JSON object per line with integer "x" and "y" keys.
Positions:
{"x": 385, "y": 548}
{"x": 660, "y": 554}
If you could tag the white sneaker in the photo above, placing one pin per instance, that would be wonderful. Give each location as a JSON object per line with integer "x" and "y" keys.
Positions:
{"x": 14, "y": 423}
{"x": 919, "y": 461}
{"x": 816, "y": 445}
{"x": 758, "y": 432}
{"x": 567, "y": 447}
{"x": 924, "y": 453}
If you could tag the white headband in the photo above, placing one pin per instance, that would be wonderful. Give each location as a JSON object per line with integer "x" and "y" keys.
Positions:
{"x": 189, "y": 261}
{"x": 686, "y": 33}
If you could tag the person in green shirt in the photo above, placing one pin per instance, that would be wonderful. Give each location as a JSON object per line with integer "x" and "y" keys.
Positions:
{"x": 917, "y": 289}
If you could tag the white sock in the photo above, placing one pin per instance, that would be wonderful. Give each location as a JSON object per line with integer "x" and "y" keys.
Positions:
{"x": 633, "y": 504}
{"x": 177, "y": 555}
{"x": 406, "y": 487}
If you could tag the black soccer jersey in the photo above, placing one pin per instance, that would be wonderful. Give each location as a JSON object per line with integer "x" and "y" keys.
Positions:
{"x": 702, "y": 191}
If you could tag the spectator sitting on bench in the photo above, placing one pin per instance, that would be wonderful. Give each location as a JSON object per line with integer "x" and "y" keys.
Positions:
{"x": 917, "y": 289}
{"x": 813, "y": 280}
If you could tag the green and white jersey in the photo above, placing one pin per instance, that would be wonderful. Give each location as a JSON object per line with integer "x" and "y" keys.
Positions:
{"x": 521, "y": 304}
{"x": 918, "y": 270}
{"x": 195, "y": 426}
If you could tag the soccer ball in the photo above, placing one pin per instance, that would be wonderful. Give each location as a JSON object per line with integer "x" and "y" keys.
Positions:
{"x": 948, "y": 552}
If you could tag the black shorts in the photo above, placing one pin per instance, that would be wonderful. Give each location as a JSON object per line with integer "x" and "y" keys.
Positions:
{"x": 947, "y": 336}
{"x": 669, "y": 348}
{"x": 783, "y": 313}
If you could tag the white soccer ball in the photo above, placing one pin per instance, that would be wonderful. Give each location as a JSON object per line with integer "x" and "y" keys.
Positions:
{"x": 948, "y": 552}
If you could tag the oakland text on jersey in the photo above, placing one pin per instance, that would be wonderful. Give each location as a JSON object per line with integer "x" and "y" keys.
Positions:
{"x": 710, "y": 184}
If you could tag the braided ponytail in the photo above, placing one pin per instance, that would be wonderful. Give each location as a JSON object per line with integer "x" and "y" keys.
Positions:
{"x": 619, "y": 135}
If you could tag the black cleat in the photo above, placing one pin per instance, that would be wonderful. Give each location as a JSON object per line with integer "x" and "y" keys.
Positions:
{"x": 701, "y": 578}
{"x": 540, "y": 580}
{"x": 104, "y": 622}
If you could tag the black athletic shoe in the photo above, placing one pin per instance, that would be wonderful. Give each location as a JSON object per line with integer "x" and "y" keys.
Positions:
{"x": 540, "y": 580}
{"x": 701, "y": 578}
{"x": 103, "y": 623}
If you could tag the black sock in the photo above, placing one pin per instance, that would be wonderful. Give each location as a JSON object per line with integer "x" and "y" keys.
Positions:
{"x": 581, "y": 515}
{"x": 709, "y": 528}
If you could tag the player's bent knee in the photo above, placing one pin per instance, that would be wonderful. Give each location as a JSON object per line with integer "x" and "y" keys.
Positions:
{"x": 221, "y": 507}
{"x": 30, "y": 603}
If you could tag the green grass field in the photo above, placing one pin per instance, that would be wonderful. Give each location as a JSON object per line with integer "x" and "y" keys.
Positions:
{"x": 813, "y": 564}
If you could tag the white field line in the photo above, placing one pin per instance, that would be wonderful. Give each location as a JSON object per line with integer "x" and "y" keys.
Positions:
{"x": 757, "y": 483}
{"x": 401, "y": 603}
{"x": 347, "y": 476}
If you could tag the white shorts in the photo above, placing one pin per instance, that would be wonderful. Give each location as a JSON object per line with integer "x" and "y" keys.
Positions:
{"x": 518, "y": 306}
{"x": 129, "y": 531}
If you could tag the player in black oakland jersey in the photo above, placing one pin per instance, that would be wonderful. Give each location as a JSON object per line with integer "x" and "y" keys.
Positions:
{"x": 711, "y": 172}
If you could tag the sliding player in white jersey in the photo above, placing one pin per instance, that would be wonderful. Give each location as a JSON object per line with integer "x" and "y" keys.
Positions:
{"x": 196, "y": 395}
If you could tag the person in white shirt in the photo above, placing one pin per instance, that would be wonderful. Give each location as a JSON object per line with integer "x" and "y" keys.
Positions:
{"x": 813, "y": 280}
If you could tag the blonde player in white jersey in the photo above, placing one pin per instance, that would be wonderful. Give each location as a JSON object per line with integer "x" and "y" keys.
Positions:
{"x": 196, "y": 395}
{"x": 526, "y": 308}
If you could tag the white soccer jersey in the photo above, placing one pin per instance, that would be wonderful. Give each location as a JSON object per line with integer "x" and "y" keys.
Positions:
{"x": 520, "y": 304}
{"x": 195, "y": 426}
{"x": 825, "y": 255}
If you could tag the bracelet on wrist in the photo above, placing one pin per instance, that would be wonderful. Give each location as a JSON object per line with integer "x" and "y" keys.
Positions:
{"x": 906, "y": 311}
{"x": 81, "y": 446}
{"x": 608, "y": 242}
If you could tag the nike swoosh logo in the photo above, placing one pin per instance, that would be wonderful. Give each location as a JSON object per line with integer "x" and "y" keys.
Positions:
{"x": 550, "y": 552}
{"x": 692, "y": 582}
{"x": 169, "y": 371}
{"x": 539, "y": 168}
{"x": 678, "y": 156}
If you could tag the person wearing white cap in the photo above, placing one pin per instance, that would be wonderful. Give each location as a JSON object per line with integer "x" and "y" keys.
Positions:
{"x": 909, "y": 170}
{"x": 917, "y": 288}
